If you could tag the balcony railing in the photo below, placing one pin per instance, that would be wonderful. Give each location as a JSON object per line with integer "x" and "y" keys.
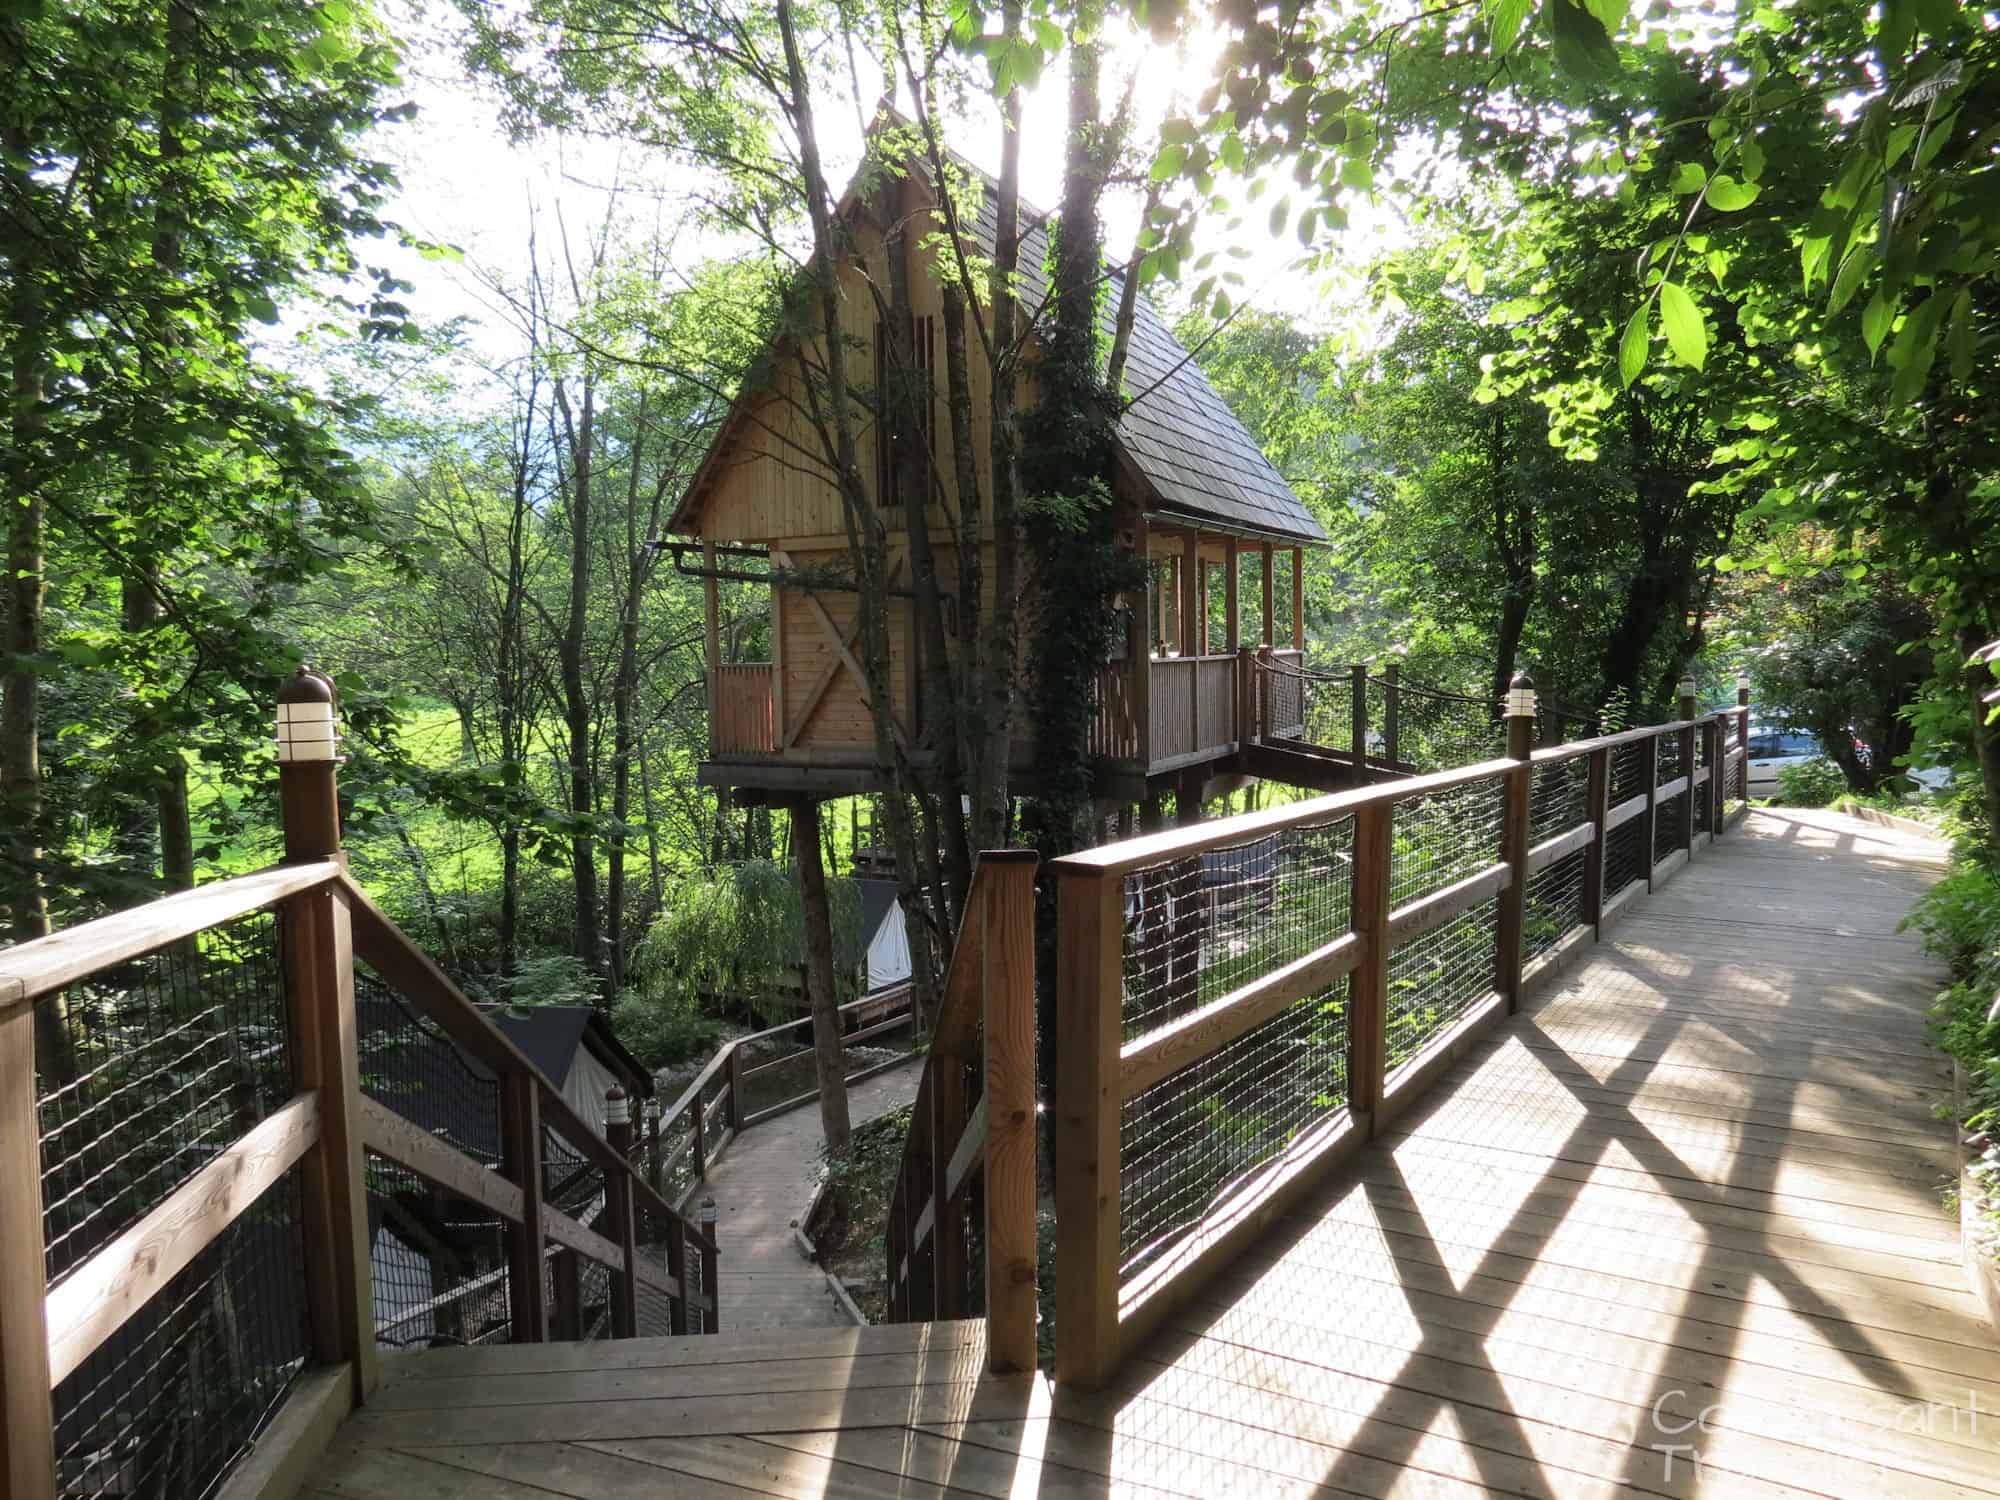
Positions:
{"x": 740, "y": 721}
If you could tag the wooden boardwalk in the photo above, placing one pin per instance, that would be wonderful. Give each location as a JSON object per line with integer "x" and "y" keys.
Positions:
{"x": 1673, "y": 1231}
{"x": 760, "y": 1186}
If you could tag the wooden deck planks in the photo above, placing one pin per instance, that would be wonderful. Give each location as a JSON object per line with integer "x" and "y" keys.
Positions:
{"x": 1698, "y": 1176}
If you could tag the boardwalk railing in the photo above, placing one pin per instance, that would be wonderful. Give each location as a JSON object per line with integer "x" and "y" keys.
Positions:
{"x": 960, "y": 1240}
{"x": 236, "y": 1196}
{"x": 739, "y": 1087}
{"x": 1240, "y": 1004}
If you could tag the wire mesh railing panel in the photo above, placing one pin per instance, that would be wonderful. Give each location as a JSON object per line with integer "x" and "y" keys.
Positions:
{"x": 409, "y": 1065}
{"x": 1670, "y": 759}
{"x": 1435, "y": 731}
{"x": 1628, "y": 771}
{"x": 1186, "y": 1141}
{"x": 1322, "y": 705}
{"x": 1434, "y": 979}
{"x": 660, "y": 1238}
{"x": 1201, "y": 926}
{"x": 1625, "y": 852}
{"x": 439, "y": 1263}
{"x": 149, "y": 1070}
{"x": 1553, "y": 905}
{"x": 778, "y": 1070}
{"x": 167, "y": 1403}
{"x": 1443, "y": 837}
{"x": 1667, "y": 826}
{"x": 1558, "y": 797}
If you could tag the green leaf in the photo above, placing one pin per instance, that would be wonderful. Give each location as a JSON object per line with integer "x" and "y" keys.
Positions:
{"x": 1633, "y": 347}
{"x": 1505, "y": 21}
{"x": 1583, "y": 46}
{"x": 1958, "y": 335}
{"x": 1853, "y": 271}
{"x": 1750, "y": 156}
{"x": 1686, "y": 333}
{"x": 1689, "y": 177}
{"x": 1357, "y": 174}
{"x": 1169, "y": 162}
{"x": 1915, "y": 350}
{"x": 1280, "y": 212}
{"x": 1475, "y": 278}
{"x": 1875, "y": 320}
{"x": 1727, "y": 194}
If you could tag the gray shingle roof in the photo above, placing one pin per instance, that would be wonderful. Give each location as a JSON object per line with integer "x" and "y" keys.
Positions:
{"x": 1180, "y": 434}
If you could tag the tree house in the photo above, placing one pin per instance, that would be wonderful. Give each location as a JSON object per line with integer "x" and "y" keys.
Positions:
{"x": 1196, "y": 496}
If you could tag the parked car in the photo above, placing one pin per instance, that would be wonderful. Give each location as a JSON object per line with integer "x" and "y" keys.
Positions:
{"x": 1772, "y": 749}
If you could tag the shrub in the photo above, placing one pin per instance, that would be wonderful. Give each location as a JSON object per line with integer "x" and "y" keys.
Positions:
{"x": 1812, "y": 783}
{"x": 1959, "y": 919}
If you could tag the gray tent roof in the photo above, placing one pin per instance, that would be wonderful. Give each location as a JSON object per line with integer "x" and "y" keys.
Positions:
{"x": 1180, "y": 434}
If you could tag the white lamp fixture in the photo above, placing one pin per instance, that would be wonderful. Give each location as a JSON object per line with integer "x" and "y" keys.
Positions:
{"x": 1742, "y": 682}
{"x": 1686, "y": 687}
{"x": 307, "y": 733}
{"x": 705, "y": 1216}
{"x": 617, "y": 1106}
{"x": 650, "y": 1111}
{"x": 1521, "y": 697}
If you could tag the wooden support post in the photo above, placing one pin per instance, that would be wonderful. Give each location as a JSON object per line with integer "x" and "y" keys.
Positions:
{"x": 1190, "y": 581}
{"x": 948, "y": 1113}
{"x": 1598, "y": 794}
{"x": 1298, "y": 598}
{"x": 1715, "y": 742}
{"x": 1517, "y": 792}
{"x": 780, "y": 723}
{"x": 1140, "y": 662}
{"x": 1368, "y": 984}
{"x": 1649, "y": 819}
{"x": 1247, "y": 731}
{"x": 1232, "y": 622}
{"x": 1684, "y": 833}
{"x": 1358, "y": 720}
{"x": 655, "y": 1168}
{"x": 1008, "y": 954}
{"x": 566, "y": 1306}
{"x": 1392, "y": 703}
{"x": 620, "y": 1223}
{"x": 27, "y": 1419}
{"x": 521, "y": 1145}
{"x": 319, "y": 992}
{"x": 1203, "y": 640}
{"x": 1269, "y": 623}
{"x": 699, "y": 1146}
{"x": 1090, "y": 926}
{"x": 710, "y": 1256}
{"x": 734, "y": 1068}
{"x": 711, "y": 612}
{"x": 677, "y": 1309}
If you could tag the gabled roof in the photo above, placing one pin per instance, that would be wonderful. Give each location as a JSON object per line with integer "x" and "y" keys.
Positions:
{"x": 878, "y": 899}
{"x": 1179, "y": 436}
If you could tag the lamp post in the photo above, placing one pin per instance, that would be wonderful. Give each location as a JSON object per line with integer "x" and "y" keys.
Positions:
{"x": 1517, "y": 793}
{"x": 308, "y": 767}
{"x": 1519, "y": 709}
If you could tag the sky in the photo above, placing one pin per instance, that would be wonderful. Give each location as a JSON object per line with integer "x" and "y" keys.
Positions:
{"x": 465, "y": 184}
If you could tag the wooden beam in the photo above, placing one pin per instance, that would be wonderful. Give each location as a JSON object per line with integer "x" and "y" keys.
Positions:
{"x": 96, "y": 1298}
{"x": 47, "y": 964}
{"x": 1184, "y": 1041}
{"x": 1231, "y": 584}
{"x": 1008, "y": 916}
{"x": 27, "y": 1420}
{"x": 1265, "y": 569}
{"x": 1089, "y": 984}
{"x": 415, "y": 1149}
{"x": 1192, "y": 624}
{"x": 1548, "y": 851}
{"x": 1428, "y": 913}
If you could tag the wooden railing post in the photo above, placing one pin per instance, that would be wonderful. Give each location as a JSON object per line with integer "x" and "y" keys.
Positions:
{"x": 711, "y": 1268}
{"x": 521, "y": 1149}
{"x": 734, "y": 1068}
{"x": 1598, "y": 792}
{"x": 1090, "y": 918}
{"x": 1008, "y": 985}
{"x": 1516, "y": 790}
{"x": 1246, "y": 695}
{"x": 622, "y": 1229}
{"x": 655, "y": 1167}
{"x": 27, "y": 1418}
{"x": 1649, "y": 820}
{"x": 318, "y": 939}
{"x": 566, "y": 1307}
{"x": 677, "y": 1310}
{"x": 1715, "y": 752}
{"x": 948, "y": 1115}
{"x": 1392, "y": 704}
{"x": 1358, "y": 717}
{"x": 1368, "y": 984}
{"x": 1684, "y": 835}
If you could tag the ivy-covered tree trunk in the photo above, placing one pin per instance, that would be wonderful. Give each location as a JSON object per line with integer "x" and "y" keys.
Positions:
{"x": 1515, "y": 544}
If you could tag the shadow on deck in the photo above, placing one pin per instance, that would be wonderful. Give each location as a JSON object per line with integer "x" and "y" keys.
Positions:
{"x": 1673, "y": 1230}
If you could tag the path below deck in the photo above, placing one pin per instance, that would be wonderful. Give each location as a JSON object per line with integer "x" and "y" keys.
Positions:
{"x": 1674, "y": 1231}
{"x": 760, "y": 1186}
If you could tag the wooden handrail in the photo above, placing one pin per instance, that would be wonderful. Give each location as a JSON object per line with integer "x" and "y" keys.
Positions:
{"x": 48, "y": 964}
{"x": 1099, "y": 1312}
{"x": 986, "y": 1018}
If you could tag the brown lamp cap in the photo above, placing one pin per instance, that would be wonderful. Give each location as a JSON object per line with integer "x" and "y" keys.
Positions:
{"x": 307, "y": 686}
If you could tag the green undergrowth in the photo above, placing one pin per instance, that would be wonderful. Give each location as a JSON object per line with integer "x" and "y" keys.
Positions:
{"x": 1959, "y": 921}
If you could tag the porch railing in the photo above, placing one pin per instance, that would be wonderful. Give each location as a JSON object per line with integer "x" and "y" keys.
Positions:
{"x": 1241, "y": 1004}
{"x": 740, "y": 718}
